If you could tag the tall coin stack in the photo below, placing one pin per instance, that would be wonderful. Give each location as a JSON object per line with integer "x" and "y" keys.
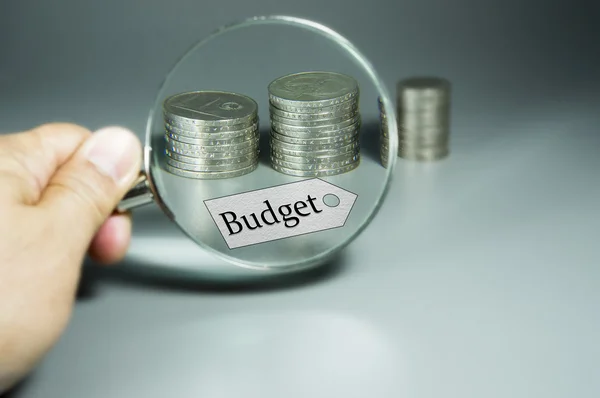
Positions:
{"x": 384, "y": 135}
{"x": 211, "y": 134}
{"x": 424, "y": 114}
{"x": 315, "y": 124}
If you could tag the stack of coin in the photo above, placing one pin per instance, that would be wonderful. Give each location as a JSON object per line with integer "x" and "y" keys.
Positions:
{"x": 384, "y": 137}
{"x": 211, "y": 134}
{"x": 424, "y": 114}
{"x": 315, "y": 124}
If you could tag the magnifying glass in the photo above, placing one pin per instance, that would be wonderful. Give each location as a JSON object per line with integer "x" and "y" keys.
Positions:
{"x": 268, "y": 145}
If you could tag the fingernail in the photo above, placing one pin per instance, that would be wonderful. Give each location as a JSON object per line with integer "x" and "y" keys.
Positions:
{"x": 115, "y": 151}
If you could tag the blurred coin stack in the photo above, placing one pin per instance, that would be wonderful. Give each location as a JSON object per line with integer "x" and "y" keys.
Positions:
{"x": 315, "y": 124}
{"x": 384, "y": 137}
{"x": 424, "y": 113}
{"x": 211, "y": 134}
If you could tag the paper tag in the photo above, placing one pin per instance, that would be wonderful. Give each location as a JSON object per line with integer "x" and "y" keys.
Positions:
{"x": 280, "y": 212}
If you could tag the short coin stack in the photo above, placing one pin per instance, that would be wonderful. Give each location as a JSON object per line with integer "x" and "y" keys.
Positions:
{"x": 211, "y": 134}
{"x": 315, "y": 124}
{"x": 424, "y": 114}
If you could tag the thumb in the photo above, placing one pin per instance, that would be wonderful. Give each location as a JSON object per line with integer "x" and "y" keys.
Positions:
{"x": 85, "y": 190}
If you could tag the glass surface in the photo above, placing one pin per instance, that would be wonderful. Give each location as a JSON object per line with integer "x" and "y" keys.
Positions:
{"x": 244, "y": 58}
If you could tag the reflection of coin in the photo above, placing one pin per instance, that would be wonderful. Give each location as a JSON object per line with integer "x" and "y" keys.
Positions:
{"x": 210, "y": 108}
{"x": 211, "y": 175}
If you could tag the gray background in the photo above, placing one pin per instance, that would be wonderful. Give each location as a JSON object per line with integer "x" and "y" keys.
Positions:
{"x": 479, "y": 278}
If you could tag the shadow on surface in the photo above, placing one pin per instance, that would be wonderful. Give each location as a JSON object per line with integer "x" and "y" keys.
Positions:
{"x": 265, "y": 146}
{"x": 138, "y": 276}
{"x": 16, "y": 392}
{"x": 369, "y": 140}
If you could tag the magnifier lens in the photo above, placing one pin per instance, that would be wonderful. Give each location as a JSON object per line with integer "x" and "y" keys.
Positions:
{"x": 266, "y": 218}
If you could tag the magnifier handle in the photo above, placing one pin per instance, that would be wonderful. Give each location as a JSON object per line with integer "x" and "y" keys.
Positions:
{"x": 138, "y": 195}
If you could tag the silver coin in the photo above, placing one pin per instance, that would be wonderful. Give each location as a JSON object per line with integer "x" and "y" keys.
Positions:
{"x": 425, "y": 141}
{"x": 423, "y": 92}
{"x": 313, "y": 89}
{"x": 317, "y": 134}
{"x": 315, "y": 173}
{"x": 315, "y": 160}
{"x": 385, "y": 131}
{"x": 253, "y": 156}
{"x": 214, "y": 155}
{"x": 176, "y": 145}
{"x": 424, "y": 114}
{"x": 314, "y": 132}
{"x": 202, "y": 142}
{"x": 202, "y": 168}
{"x": 316, "y": 123}
{"x": 429, "y": 154}
{"x": 217, "y": 135}
{"x": 211, "y": 175}
{"x": 342, "y": 137}
{"x": 313, "y": 116}
{"x": 210, "y": 129}
{"x": 344, "y": 107}
{"x": 424, "y": 129}
{"x": 210, "y": 108}
{"x": 315, "y": 150}
{"x": 315, "y": 166}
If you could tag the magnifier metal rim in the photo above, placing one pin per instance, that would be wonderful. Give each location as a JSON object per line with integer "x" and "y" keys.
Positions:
{"x": 329, "y": 34}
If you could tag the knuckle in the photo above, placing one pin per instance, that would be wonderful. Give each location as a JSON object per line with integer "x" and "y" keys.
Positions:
{"x": 53, "y": 128}
{"x": 44, "y": 133}
{"x": 89, "y": 189}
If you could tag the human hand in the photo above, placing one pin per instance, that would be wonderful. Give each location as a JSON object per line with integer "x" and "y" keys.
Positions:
{"x": 59, "y": 185}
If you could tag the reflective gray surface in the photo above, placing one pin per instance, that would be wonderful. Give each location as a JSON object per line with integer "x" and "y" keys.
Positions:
{"x": 478, "y": 279}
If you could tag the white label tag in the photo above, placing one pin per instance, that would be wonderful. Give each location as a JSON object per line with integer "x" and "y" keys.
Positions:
{"x": 280, "y": 212}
